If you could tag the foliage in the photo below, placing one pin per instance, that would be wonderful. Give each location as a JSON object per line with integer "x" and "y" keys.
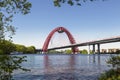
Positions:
{"x": 8, "y": 64}
{"x": 71, "y": 2}
{"x": 68, "y": 51}
{"x": 84, "y": 51}
{"x": 115, "y": 62}
{"x": 110, "y": 75}
{"x": 7, "y": 9}
{"x": 1, "y": 51}
{"x": 117, "y": 52}
{"x": 24, "y": 49}
{"x": 91, "y": 52}
{"x": 20, "y": 48}
{"x": 114, "y": 73}
{"x": 6, "y": 47}
{"x": 30, "y": 49}
{"x": 52, "y": 51}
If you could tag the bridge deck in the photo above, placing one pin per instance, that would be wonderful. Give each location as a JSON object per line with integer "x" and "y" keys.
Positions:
{"x": 102, "y": 41}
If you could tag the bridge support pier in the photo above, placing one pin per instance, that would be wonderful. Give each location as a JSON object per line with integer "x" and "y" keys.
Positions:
{"x": 93, "y": 48}
{"x": 88, "y": 49}
{"x": 98, "y": 45}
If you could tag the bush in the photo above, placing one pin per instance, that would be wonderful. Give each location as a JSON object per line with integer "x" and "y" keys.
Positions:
{"x": 8, "y": 64}
{"x": 110, "y": 75}
{"x": 1, "y": 52}
{"x": 114, "y": 73}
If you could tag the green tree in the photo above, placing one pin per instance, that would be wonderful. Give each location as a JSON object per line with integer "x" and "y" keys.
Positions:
{"x": 71, "y": 2}
{"x": 6, "y": 47}
{"x": 68, "y": 51}
{"x": 7, "y": 10}
{"x": 20, "y": 48}
{"x": 91, "y": 52}
{"x": 114, "y": 73}
{"x": 8, "y": 64}
{"x": 115, "y": 61}
{"x": 52, "y": 51}
{"x": 117, "y": 52}
{"x": 30, "y": 49}
{"x": 1, "y": 51}
{"x": 84, "y": 51}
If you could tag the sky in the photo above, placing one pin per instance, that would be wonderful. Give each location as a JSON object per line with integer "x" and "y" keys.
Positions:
{"x": 91, "y": 21}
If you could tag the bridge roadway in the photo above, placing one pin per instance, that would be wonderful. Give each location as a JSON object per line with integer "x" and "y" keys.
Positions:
{"x": 96, "y": 42}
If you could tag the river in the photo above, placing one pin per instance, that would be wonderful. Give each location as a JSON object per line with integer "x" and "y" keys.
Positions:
{"x": 63, "y": 67}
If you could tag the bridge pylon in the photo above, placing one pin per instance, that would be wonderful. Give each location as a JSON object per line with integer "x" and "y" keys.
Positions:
{"x": 59, "y": 30}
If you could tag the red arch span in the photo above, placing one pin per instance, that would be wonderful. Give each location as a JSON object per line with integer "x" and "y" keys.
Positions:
{"x": 60, "y": 30}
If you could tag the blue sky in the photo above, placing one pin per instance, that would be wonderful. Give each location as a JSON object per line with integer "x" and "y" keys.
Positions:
{"x": 91, "y": 21}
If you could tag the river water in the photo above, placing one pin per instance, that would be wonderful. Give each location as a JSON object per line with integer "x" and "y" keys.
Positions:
{"x": 63, "y": 67}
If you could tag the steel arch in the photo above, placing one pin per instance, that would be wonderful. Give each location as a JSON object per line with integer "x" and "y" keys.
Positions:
{"x": 59, "y": 29}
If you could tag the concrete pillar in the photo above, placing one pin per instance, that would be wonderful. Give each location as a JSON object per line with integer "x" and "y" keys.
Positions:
{"x": 88, "y": 49}
{"x": 94, "y": 48}
{"x": 98, "y": 48}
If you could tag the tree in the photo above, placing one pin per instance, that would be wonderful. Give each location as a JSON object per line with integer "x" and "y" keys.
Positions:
{"x": 6, "y": 47}
{"x": 71, "y": 2}
{"x": 84, "y": 51}
{"x": 7, "y": 9}
{"x": 30, "y": 49}
{"x": 52, "y": 51}
{"x": 20, "y": 48}
{"x": 10, "y": 63}
{"x": 91, "y": 52}
{"x": 114, "y": 73}
{"x": 68, "y": 51}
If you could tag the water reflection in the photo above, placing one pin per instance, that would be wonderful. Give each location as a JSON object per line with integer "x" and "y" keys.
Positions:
{"x": 61, "y": 68}
{"x": 99, "y": 60}
{"x": 69, "y": 63}
{"x": 72, "y": 61}
{"x": 65, "y": 67}
{"x": 51, "y": 64}
{"x": 94, "y": 58}
{"x": 47, "y": 65}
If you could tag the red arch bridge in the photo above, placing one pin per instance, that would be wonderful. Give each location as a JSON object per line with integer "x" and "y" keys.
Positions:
{"x": 74, "y": 46}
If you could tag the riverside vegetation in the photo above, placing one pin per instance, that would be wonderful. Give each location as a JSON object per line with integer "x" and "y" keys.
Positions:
{"x": 114, "y": 73}
{"x": 8, "y": 63}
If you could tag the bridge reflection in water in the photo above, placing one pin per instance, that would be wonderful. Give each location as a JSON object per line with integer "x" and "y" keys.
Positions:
{"x": 49, "y": 65}
{"x": 63, "y": 67}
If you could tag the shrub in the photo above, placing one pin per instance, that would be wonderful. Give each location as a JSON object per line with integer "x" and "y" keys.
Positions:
{"x": 8, "y": 64}
{"x": 114, "y": 73}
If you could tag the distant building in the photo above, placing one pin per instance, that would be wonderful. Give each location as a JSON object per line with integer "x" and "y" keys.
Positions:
{"x": 104, "y": 51}
{"x": 114, "y": 50}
